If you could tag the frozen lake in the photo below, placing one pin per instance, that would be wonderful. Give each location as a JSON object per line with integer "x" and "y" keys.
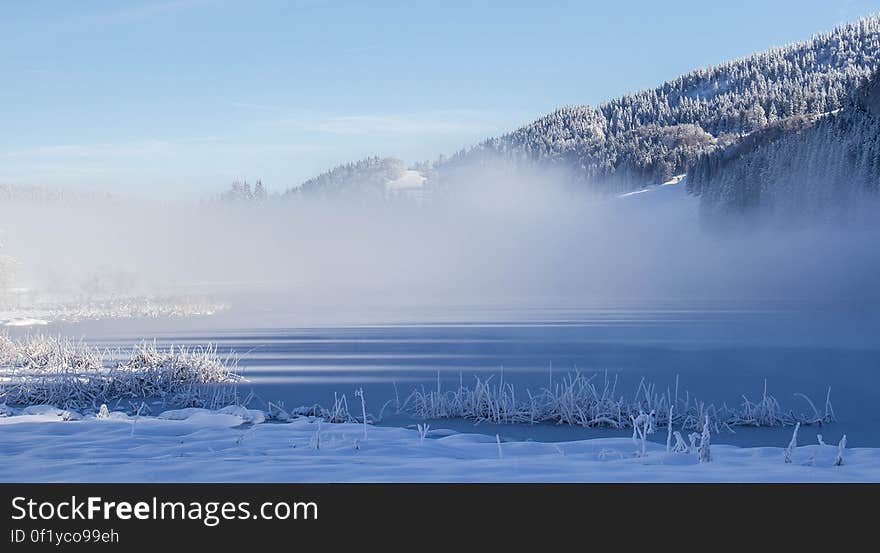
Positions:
{"x": 719, "y": 351}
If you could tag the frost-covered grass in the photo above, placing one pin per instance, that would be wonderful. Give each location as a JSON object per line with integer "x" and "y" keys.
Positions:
{"x": 234, "y": 445}
{"x": 60, "y": 372}
{"x": 72, "y": 375}
{"x": 44, "y": 309}
{"x": 337, "y": 413}
{"x": 593, "y": 401}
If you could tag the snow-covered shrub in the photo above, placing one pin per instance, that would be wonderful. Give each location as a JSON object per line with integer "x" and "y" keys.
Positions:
{"x": 277, "y": 413}
{"x": 359, "y": 393}
{"x": 680, "y": 445}
{"x": 839, "y": 461}
{"x": 704, "y": 454}
{"x": 316, "y": 441}
{"x": 642, "y": 426}
{"x": 64, "y": 373}
{"x": 581, "y": 400}
{"x": 337, "y": 413}
{"x": 423, "y": 432}
{"x": 73, "y": 416}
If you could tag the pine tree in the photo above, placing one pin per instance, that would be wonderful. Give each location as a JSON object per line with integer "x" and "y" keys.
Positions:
{"x": 259, "y": 192}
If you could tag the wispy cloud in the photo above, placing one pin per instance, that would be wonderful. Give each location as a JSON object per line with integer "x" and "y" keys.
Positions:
{"x": 146, "y": 149}
{"x": 253, "y": 106}
{"x": 431, "y": 122}
{"x": 136, "y": 12}
{"x": 85, "y": 151}
{"x": 390, "y": 124}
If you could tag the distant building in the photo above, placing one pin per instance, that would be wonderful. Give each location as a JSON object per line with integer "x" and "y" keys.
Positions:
{"x": 410, "y": 185}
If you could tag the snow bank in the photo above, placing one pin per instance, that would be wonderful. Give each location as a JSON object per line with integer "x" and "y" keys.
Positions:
{"x": 200, "y": 445}
{"x": 241, "y": 414}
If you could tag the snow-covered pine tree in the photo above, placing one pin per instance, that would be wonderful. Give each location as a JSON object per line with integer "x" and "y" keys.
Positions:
{"x": 636, "y": 139}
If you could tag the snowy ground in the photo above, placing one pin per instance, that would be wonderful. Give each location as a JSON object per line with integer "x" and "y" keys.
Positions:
{"x": 236, "y": 446}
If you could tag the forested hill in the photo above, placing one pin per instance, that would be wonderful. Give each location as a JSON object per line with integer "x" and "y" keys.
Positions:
{"x": 814, "y": 167}
{"x": 700, "y": 123}
{"x": 365, "y": 177}
{"x": 649, "y": 136}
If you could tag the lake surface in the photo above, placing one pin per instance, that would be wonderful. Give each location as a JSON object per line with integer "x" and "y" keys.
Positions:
{"x": 719, "y": 352}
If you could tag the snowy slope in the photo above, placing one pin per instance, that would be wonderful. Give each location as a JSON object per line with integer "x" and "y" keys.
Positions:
{"x": 211, "y": 446}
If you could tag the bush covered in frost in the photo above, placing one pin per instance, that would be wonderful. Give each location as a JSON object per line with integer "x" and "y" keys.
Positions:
{"x": 61, "y": 372}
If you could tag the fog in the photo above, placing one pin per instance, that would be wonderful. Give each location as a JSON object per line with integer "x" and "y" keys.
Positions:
{"x": 504, "y": 237}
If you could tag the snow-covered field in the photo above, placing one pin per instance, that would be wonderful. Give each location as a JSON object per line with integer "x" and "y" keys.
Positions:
{"x": 237, "y": 445}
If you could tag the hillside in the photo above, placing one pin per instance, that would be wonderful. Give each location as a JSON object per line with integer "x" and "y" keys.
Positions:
{"x": 367, "y": 177}
{"x": 822, "y": 166}
{"x": 655, "y": 134}
{"x": 698, "y": 123}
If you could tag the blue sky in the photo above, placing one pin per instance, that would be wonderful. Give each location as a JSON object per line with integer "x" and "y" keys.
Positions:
{"x": 182, "y": 96}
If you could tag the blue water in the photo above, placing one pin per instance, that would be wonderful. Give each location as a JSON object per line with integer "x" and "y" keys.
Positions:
{"x": 718, "y": 351}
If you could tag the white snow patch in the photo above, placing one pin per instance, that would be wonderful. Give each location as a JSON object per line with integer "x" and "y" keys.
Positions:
{"x": 410, "y": 180}
{"x": 233, "y": 414}
{"x": 657, "y": 187}
{"x": 252, "y": 416}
